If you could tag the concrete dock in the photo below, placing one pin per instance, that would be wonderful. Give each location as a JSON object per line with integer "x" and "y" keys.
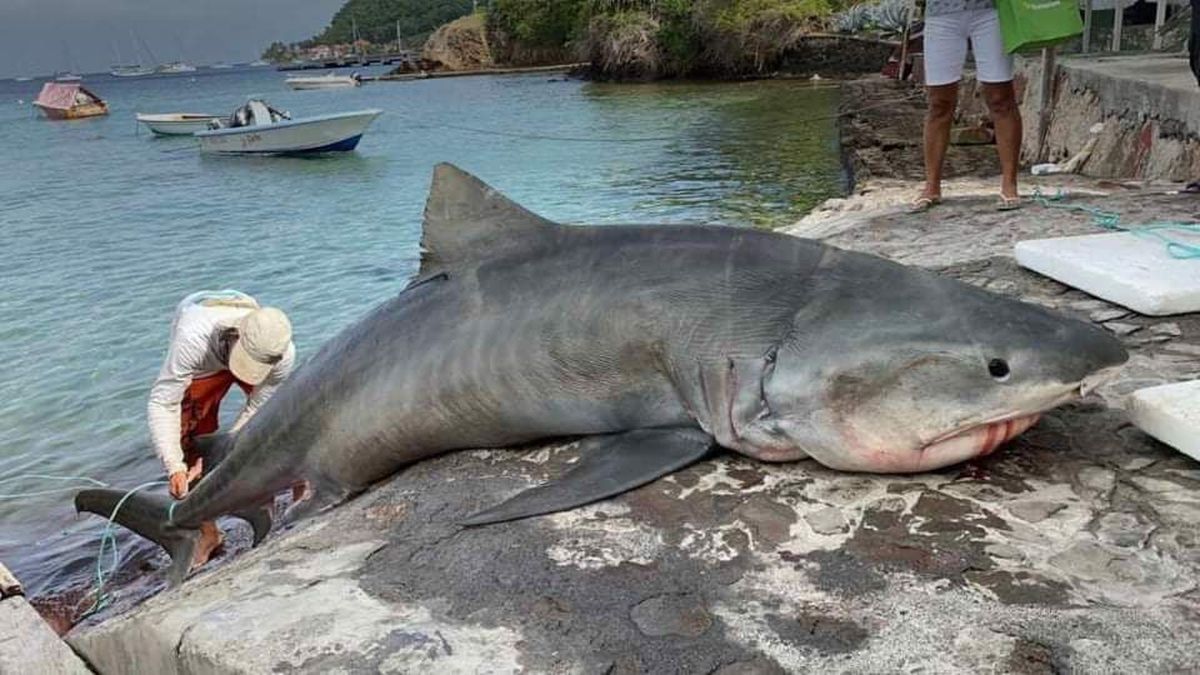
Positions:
{"x": 27, "y": 645}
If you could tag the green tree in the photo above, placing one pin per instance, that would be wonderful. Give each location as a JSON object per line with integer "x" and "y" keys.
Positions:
{"x": 377, "y": 19}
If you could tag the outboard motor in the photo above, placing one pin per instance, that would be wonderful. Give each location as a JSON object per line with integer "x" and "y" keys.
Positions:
{"x": 240, "y": 117}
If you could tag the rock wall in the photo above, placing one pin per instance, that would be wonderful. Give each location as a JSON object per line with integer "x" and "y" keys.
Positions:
{"x": 461, "y": 44}
{"x": 881, "y": 127}
{"x": 1148, "y": 106}
{"x": 836, "y": 55}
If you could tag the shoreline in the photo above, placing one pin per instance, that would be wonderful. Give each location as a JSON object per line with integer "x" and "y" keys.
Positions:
{"x": 431, "y": 75}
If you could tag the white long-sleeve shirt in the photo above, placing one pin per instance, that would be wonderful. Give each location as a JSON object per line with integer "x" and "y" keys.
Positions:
{"x": 197, "y": 350}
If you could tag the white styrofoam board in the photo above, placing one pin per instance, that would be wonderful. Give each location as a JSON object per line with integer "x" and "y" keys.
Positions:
{"x": 1170, "y": 413}
{"x": 1130, "y": 270}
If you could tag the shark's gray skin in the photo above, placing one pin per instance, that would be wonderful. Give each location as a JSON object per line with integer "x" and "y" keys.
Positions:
{"x": 656, "y": 344}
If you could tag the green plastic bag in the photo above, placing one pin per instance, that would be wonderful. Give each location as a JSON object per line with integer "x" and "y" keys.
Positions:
{"x": 1033, "y": 24}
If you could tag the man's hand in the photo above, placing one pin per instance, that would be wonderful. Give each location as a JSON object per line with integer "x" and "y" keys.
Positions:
{"x": 179, "y": 484}
{"x": 180, "y": 479}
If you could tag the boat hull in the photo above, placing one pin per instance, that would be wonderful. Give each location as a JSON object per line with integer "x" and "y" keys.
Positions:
{"x": 328, "y": 133}
{"x": 322, "y": 83}
{"x": 74, "y": 112}
{"x": 176, "y": 124}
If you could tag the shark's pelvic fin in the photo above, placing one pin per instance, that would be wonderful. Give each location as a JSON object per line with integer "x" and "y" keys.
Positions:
{"x": 608, "y": 466}
{"x": 466, "y": 221}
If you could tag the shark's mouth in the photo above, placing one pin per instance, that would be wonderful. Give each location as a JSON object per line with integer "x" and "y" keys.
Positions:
{"x": 982, "y": 438}
{"x": 979, "y": 440}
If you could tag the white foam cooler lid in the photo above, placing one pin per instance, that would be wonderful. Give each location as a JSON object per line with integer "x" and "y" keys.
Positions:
{"x": 1135, "y": 271}
{"x": 1170, "y": 413}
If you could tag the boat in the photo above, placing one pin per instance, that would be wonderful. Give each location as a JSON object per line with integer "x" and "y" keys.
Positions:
{"x": 176, "y": 67}
{"x": 133, "y": 70}
{"x": 221, "y": 65}
{"x": 69, "y": 101}
{"x": 121, "y": 68}
{"x": 258, "y": 129}
{"x": 67, "y": 76}
{"x": 259, "y": 63}
{"x": 22, "y": 78}
{"x": 326, "y": 81}
{"x": 176, "y": 124}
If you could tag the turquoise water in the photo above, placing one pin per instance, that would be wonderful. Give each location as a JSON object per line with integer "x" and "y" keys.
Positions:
{"x": 105, "y": 228}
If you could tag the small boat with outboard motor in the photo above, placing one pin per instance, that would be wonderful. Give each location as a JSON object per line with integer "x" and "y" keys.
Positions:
{"x": 256, "y": 128}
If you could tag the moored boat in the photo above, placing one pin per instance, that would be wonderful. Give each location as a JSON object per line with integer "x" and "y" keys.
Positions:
{"x": 68, "y": 101}
{"x": 67, "y": 76}
{"x": 176, "y": 124}
{"x": 326, "y": 81}
{"x": 176, "y": 67}
{"x": 130, "y": 70}
{"x": 258, "y": 129}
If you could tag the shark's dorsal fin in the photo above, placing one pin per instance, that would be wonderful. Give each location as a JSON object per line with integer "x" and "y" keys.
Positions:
{"x": 467, "y": 221}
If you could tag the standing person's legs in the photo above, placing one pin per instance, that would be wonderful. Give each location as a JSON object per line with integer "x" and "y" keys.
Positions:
{"x": 994, "y": 69}
{"x": 945, "y": 50}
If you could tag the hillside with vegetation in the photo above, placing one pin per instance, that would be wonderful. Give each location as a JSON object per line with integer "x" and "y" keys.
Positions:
{"x": 665, "y": 38}
{"x": 622, "y": 39}
{"x": 376, "y": 21}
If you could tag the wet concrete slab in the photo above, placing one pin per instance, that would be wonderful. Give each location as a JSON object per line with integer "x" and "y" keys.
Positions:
{"x": 29, "y": 647}
{"x": 1073, "y": 548}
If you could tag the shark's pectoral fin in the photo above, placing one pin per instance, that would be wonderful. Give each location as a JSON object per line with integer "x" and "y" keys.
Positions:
{"x": 260, "y": 519}
{"x": 608, "y": 466}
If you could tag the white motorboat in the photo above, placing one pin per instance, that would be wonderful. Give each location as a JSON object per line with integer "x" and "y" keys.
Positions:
{"x": 326, "y": 81}
{"x": 177, "y": 124}
{"x": 258, "y": 129}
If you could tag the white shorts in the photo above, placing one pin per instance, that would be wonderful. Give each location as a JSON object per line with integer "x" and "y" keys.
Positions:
{"x": 946, "y": 47}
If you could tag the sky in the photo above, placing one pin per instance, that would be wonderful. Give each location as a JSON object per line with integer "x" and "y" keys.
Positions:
{"x": 41, "y": 36}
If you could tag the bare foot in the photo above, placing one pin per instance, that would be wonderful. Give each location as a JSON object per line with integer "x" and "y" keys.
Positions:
{"x": 210, "y": 542}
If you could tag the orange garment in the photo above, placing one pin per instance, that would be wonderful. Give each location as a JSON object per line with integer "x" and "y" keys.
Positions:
{"x": 200, "y": 408}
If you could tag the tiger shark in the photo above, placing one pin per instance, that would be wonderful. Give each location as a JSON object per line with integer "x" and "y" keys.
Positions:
{"x": 655, "y": 344}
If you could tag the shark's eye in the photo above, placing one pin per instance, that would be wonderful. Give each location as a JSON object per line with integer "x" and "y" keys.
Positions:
{"x": 998, "y": 369}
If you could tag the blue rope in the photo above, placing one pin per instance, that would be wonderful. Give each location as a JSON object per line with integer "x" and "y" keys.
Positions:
{"x": 1111, "y": 220}
{"x": 107, "y": 537}
{"x": 40, "y": 476}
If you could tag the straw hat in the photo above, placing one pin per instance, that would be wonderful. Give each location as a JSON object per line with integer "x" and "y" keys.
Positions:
{"x": 263, "y": 337}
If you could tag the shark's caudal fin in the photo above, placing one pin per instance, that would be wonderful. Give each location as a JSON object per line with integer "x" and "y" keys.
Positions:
{"x": 147, "y": 515}
{"x": 607, "y": 466}
{"x": 467, "y": 221}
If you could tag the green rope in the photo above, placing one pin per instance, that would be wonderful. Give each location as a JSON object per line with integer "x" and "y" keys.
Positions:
{"x": 107, "y": 538}
{"x": 1111, "y": 220}
{"x": 39, "y": 476}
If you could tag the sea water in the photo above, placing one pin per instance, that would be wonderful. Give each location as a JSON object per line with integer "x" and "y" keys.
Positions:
{"x": 105, "y": 227}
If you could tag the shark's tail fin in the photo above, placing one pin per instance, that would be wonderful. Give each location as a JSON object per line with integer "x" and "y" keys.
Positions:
{"x": 149, "y": 516}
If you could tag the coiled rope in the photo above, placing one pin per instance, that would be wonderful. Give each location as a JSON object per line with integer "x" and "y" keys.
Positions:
{"x": 1111, "y": 220}
{"x": 107, "y": 537}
